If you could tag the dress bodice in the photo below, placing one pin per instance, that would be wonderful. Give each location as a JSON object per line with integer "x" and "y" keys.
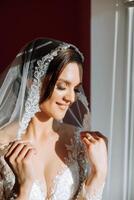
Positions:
{"x": 66, "y": 183}
{"x": 64, "y": 187}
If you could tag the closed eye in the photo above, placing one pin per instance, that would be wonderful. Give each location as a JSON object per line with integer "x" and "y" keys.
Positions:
{"x": 63, "y": 84}
{"x": 60, "y": 88}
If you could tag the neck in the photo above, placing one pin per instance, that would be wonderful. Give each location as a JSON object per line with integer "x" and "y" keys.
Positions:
{"x": 41, "y": 126}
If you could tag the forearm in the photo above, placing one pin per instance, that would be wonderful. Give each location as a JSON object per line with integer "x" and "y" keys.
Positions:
{"x": 96, "y": 153}
{"x": 92, "y": 188}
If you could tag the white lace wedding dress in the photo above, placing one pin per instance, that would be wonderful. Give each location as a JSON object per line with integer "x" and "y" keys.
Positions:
{"x": 67, "y": 183}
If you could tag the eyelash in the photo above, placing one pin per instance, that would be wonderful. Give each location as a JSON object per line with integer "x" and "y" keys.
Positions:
{"x": 63, "y": 88}
{"x": 60, "y": 88}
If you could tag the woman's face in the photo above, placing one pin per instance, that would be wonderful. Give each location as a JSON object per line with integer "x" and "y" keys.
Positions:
{"x": 64, "y": 92}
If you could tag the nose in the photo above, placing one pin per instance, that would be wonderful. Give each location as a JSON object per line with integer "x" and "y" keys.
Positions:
{"x": 70, "y": 96}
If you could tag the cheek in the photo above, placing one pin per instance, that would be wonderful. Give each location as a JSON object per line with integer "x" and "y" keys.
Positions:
{"x": 57, "y": 94}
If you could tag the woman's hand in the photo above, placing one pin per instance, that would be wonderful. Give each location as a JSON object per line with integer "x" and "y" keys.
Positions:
{"x": 96, "y": 151}
{"x": 20, "y": 158}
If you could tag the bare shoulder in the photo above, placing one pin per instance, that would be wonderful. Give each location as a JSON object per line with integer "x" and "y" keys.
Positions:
{"x": 8, "y": 133}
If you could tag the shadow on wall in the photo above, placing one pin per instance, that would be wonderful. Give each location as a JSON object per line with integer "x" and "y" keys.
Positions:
{"x": 22, "y": 21}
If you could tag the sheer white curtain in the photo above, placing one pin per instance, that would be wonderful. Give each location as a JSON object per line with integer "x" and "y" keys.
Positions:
{"x": 112, "y": 95}
{"x": 129, "y": 170}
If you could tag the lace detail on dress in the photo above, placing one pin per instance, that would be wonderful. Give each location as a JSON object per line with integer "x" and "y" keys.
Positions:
{"x": 68, "y": 176}
{"x": 95, "y": 195}
{"x": 37, "y": 191}
{"x": 7, "y": 179}
{"x": 82, "y": 162}
{"x": 65, "y": 183}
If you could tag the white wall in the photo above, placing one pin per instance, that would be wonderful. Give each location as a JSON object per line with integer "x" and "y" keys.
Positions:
{"x": 108, "y": 86}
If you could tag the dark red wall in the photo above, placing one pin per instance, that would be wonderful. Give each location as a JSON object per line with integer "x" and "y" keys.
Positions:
{"x": 24, "y": 20}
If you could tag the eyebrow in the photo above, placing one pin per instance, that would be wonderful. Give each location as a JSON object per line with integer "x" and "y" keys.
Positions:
{"x": 68, "y": 82}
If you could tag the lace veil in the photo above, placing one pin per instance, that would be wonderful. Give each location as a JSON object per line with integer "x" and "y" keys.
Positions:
{"x": 20, "y": 87}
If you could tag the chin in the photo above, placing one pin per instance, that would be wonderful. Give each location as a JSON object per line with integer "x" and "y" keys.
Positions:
{"x": 59, "y": 117}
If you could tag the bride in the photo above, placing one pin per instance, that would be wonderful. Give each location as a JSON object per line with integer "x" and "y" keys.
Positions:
{"x": 47, "y": 150}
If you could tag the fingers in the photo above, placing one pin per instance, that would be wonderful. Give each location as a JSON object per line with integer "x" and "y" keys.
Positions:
{"x": 18, "y": 150}
{"x": 101, "y": 136}
{"x": 24, "y": 152}
{"x": 13, "y": 145}
{"x": 28, "y": 154}
{"x": 93, "y": 137}
{"x": 20, "y": 158}
{"x": 88, "y": 138}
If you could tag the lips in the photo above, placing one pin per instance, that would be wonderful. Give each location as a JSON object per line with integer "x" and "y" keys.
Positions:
{"x": 62, "y": 106}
